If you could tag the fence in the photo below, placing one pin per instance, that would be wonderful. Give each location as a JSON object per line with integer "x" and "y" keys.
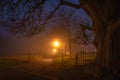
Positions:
{"x": 80, "y": 58}
{"x": 84, "y": 58}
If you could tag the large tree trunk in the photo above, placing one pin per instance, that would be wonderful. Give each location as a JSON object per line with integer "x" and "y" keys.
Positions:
{"x": 110, "y": 62}
{"x": 105, "y": 15}
{"x": 108, "y": 51}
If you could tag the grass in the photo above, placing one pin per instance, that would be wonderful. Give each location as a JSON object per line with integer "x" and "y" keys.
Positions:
{"x": 66, "y": 71}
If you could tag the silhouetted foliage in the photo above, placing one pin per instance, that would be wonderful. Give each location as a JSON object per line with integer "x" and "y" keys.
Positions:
{"x": 24, "y": 17}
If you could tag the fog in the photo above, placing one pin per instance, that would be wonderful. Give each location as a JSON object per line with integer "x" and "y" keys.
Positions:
{"x": 12, "y": 45}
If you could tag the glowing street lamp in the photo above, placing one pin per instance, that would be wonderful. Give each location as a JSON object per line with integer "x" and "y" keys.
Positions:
{"x": 56, "y": 43}
{"x": 54, "y": 50}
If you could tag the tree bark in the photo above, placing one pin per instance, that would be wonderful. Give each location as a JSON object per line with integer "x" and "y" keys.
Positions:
{"x": 111, "y": 48}
{"x": 106, "y": 25}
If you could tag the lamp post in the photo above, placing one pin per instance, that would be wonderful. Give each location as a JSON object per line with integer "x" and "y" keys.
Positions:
{"x": 57, "y": 44}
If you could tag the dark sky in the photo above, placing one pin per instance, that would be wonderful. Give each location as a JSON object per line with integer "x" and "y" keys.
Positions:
{"x": 39, "y": 43}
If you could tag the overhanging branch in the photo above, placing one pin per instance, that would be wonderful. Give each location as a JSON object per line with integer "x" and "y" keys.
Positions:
{"x": 77, "y": 6}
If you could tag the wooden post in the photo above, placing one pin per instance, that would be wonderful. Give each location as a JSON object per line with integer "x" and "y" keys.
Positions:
{"x": 62, "y": 58}
{"x": 76, "y": 58}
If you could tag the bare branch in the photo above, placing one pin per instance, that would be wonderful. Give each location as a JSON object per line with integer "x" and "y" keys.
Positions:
{"x": 86, "y": 27}
{"x": 77, "y": 6}
{"x": 51, "y": 14}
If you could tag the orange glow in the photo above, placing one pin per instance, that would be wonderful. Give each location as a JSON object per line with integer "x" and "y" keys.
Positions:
{"x": 54, "y": 50}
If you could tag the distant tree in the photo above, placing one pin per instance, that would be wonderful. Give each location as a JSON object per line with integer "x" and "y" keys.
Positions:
{"x": 84, "y": 31}
{"x": 63, "y": 17}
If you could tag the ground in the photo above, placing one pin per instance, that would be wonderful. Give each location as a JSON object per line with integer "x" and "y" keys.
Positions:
{"x": 43, "y": 69}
